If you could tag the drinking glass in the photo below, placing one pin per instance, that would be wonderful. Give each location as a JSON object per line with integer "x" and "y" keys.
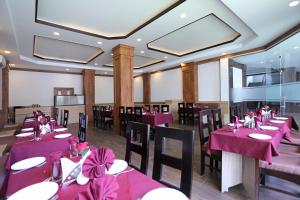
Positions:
{"x": 56, "y": 170}
{"x": 73, "y": 150}
{"x": 37, "y": 135}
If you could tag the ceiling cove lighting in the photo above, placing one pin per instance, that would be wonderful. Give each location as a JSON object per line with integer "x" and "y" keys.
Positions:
{"x": 293, "y": 3}
{"x": 7, "y": 52}
{"x": 183, "y": 15}
{"x": 139, "y": 39}
{"x": 56, "y": 33}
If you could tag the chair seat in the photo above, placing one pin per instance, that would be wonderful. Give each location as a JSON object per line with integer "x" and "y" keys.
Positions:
{"x": 107, "y": 119}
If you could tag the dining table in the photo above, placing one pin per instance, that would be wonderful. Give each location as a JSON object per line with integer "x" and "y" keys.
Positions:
{"x": 156, "y": 119}
{"x": 241, "y": 153}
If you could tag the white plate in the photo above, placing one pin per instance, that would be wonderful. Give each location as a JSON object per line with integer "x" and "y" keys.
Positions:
{"x": 24, "y": 134}
{"x": 269, "y": 128}
{"x": 281, "y": 118}
{"x": 117, "y": 167}
{"x": 29, "y": 120}
{"x": 60, "y": 129}
{"x": 163, "y": 194}
{"x": 60, "y": 136}
{"x": 26, "y": 129}
{"x": 242, "y": 120}
{"x": 232, "y": 124}
{"x": 28, "y": 163}
{"x": 277, "y": 121}
{"x": 38, "y": 191}
{"x": 260, "y": 136}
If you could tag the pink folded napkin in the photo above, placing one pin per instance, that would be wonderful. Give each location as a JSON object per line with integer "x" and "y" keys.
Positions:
{"x": 73, "y": 139}
{"x": 95, "y": 164}
{"x": 236, "y": 122}
{"x": 256, "y": 121}
{"x": 104, "y": 188}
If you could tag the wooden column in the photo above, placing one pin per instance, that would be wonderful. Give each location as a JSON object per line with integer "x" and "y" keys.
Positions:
{"x": 146, "y": 88}
{"x": 190, "y": 82}
{"x": 123, "y": 80}
{"x": 5, "y": 94}
{"x": 89, "y": 91}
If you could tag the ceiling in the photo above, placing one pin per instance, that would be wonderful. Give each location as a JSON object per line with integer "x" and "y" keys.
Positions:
{"x": 163, "y": 33}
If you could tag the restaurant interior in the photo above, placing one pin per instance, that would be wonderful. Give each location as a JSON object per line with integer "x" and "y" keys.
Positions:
{"x": 149, "y": 100}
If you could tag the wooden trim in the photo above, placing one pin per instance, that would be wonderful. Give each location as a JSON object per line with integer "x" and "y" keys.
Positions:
{"x": 44, "y": 71}
{"x": 105, "y": 75}
{"x": 102, "y": 36}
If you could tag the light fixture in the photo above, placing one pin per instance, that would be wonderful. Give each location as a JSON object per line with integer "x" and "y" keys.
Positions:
{"x": 105, "y": 72}
{"x": 12, "y": 65}
{"x": 182, "y": 64}
{"x": 224, "y": 53}
{"x": 99, "y": 42}
{"x": 56, "y": 33}
{"x": 111, "y": 54}
{"x": 166, "y": 57}
{"x": 142, "y": 52}
{"x": 183, "y": 15}
{"x": 294, "y": 3}
{"x": 67, "y": 69}
{"x": 7, "y": 52}
{"x": 139, "y": 39}
{"x": 296, "y": 47}
{"x": 95, "y": 64}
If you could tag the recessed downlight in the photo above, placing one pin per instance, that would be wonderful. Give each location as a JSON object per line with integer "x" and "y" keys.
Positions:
{"x": 105, "y": 72}
{"x": 67, "y": 69}
{"x": 56, "y": 33}
{"x": 139, "y": 39}
{"x": 7, "y": 52}
{"x": 224, "y": 53}
{"x": 12, "y": 65}
{"x": 111, "y": 54}
{"x": 142, "y": 52}
{"x": 99, "y": 42}
{"x": 296, "y": 47}
{"x": 182, "y": 64}
{"x": 166, "y": 57}
{"x": 182, "y": 15}
{"x": 294, "y": 3}
{"x": 95, "y": 64}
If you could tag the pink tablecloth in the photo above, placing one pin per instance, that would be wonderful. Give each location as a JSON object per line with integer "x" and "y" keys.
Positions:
{"x": 29, "y": 149}
{"x": 157, "y": 119}
{"x": 239, "y": 142}
{"x": 133, "y": 185}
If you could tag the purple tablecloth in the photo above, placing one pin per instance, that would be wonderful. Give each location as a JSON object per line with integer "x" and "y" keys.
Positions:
{"x": 239, "y": 142}
{"x": 132, "y": 185}
{"x": 157, "y": 119}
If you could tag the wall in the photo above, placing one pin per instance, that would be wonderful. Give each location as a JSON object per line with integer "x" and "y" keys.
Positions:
{"x": 138, "y": 89}
{"x": 27, "y": 88}
{"x": 104, "y": 89}
{"x": 209, "y": 81}
{"x": 237, "y": 76}
{"x": 166, "y": 85}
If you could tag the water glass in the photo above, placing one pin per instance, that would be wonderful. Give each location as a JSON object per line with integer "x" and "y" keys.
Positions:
{"x": 73, "y": 150}
{"x": 37, "y": 135}
{"x": 56, "y": 172}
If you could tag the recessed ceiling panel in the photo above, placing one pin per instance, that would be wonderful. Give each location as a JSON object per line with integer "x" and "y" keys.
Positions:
{"x": 113, "y": 19}
{"x": 204, "y": 33}
{"x": 140, "y": 62}
{"x": 59, "y": 50}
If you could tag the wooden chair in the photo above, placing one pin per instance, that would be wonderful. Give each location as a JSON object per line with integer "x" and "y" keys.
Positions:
{"x": 65, "y": 118}
{"x": 205, "y": 129}
{"x": 190, "y": 113}
{"x": 95, "y": 115}
{"x": 83, "y": 124}
{"x": 181, "y": 113}
{"x": 185, "y": 164}
{"x": 138, "y": 114}
{"x": 104, "y": 120}
{"x": 217, "y": 118}
{"x": 165, "y": 108}
{"x": 142, "y": 148}
{"x": 156, "y": 108}
{"x": 123, "y": 120}
{"x": 148, "y": 107}
{"x": 129, "y": 113}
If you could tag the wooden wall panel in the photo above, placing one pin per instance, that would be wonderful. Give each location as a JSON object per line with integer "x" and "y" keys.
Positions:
{"x": 146, "y": 88}
{"x": 89, "y": 91}
{"x": 190, "y": 82}
{"x": 5, "y": 93}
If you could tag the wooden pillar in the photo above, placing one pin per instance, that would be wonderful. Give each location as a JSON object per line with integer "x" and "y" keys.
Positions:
{"x": 5, "y": 94}
{"x": 146, "y": 88}
{"x": 89, "y": 91}
{"x": 123, "y": 80}
{"x": 190, "y": 82}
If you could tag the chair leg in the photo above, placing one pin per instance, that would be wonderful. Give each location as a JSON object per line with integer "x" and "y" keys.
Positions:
{"x": 263, "y": 179}
{"x": 202, "y": 164}
{"x": 211, "y": 164}
{"x": 217, "y": 164}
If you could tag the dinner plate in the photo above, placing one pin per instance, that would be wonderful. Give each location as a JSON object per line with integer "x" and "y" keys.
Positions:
{"x": 60, "y": 129}
{"x": 28, "y": 163}
{"x": 281, "y": 118}
{"x": 277, "y": 121}
{"x": 260, "y": 136}
{"x": 117, "y": 167}
{"x": 24, "y": 134}
{"x": 29, "y": 120}
{"x": 60, "y": 136}
{"x": 26, "y": 129}
{"x": 38, "y": 191}
{"x": 232, "y": 124}
{"x": 163, "y": 194}
{"x": 269, "y": 128}
{"x": 242, "y": 120}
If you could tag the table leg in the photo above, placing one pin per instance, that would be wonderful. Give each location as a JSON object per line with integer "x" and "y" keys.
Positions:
{"x": 251, "y": 176}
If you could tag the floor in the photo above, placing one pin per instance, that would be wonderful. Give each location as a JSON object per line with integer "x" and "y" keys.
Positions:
{"x": 205, "y": 187}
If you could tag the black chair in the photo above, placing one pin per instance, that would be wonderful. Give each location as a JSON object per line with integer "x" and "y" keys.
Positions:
{"x": 55, "y": 114}
{"x": 123, "y": 120}
{"x": 156, "y": 108}
{"x": 147, "y": 107}
{"x": 83, "y": 124}
{"x": 143, "y": 131}
{"x": 205, "y": 129}
{"x": 129, "y": 113}
{"x": 104, "y": 120}
{"x": 217, "y": 118}
{"x": 138, "y": 114}
{"x": 165, "y": 108}
{"x": 65, "y": 118}
{"x": 185, "y": 164}
{"x": 181, "y": 113}
{"x": 190, "y": 114}
{"x": 95, "y": 115}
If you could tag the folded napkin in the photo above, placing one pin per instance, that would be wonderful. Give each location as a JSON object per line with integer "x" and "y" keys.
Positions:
{"x": 104, "y": 188}
{"x": 256, "y": 121}
{"x": 73, "y": 139}
{"x": 95, "y": 164}
{"x": 236, "y": 122}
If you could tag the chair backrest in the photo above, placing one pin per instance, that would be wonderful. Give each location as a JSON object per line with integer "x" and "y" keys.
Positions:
{"x": 143, "y": 131}
{"x": 181, "y": 107}
{"x": 217, "y": 118}
{"x": 185, "y": 164}
{"x": 138, "y": 114}
{"x": 189, "y": 105}
{"x": 121, "y": 109}
{"x": 65, "y": 118}
{"x": 165, "y": 108}
{"x": 83, "y": 124}
{"x": 147, "y": 107}
{"x": 205, "y": 125}
{"x": 156, "y": 108}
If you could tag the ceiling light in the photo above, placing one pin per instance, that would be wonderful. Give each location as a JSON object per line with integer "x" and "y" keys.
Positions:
{"x": 95, "y": 64}
{"x": 12, "y": 65}
{"x": 67, "y": 69}
{"x": 224, "y": 53}
{"x": 183, "y": 15}
{"x": 105, "y": 72}
{"x": 142, "y": 52}
{"x": 166, "y": 57}
{"x": 139, "y": 39}
{"x": 99, "y": 42}
{"x": 7, "y": 52}
{"x": 296, "y": 47}
{"x": 293, "y": 3}
{"x": 56, "y": 33}
{"x": 182, "y": 64}
{"x": 111, "y": 54}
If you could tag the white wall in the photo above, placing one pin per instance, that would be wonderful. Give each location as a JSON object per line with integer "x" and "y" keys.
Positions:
{"x": 209, "y": 81}
{"x": 237, "y": 77}
{"x": 138, "y": 89}
{"x": 27, "y": 88}
{"x": 104, "y": 89}
{"x": 166, "y": 85}
{"x": 0, "y": 89}
{"x": 224, "y": 79}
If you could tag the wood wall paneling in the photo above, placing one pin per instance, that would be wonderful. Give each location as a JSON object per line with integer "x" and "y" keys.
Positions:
{"x": 5, "y": 93}
{"x": 146, "y": 88}
{"x": 123, "y": 80}
{"x": 190, "y": 82}
{"x": 89, "y": 91}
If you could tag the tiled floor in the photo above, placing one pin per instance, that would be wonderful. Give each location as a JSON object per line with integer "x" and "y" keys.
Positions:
{"x": 204, "y": 187}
